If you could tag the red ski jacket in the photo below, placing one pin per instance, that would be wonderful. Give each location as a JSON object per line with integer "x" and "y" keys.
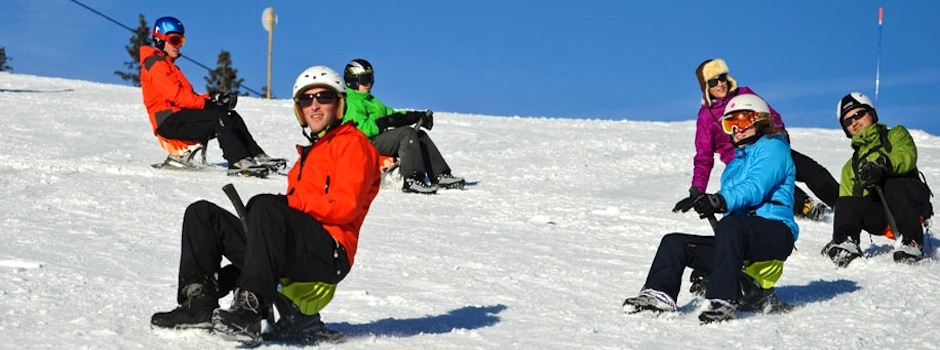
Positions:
{"x": 335, "y": 181}
{"x": 164, "y": 86}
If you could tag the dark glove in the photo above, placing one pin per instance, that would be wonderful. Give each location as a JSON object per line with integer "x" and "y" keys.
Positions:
{"x": 398, "y": 119}
{"x": 225, "y": 99}
{"x": 686, "y": 203}
{"x": 426, "y": 120}
{"x": 871, "y": 174}
{"x": 709, "y": 204}
{"x": 213, "y": 104}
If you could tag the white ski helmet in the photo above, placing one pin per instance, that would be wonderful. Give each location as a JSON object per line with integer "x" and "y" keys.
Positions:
{"x": 317, "y": 76}
{"x": 747, "y": 102}
{"x": 852, "y": 101}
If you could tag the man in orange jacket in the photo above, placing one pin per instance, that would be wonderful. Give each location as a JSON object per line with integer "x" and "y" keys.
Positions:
{"x": 305, "y": 241}
{"x": 182, "y": 118}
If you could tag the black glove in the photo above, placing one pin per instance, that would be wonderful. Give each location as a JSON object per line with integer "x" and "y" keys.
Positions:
{"x": 225, "y": 99}
{"x": 213, "y": 104}
{"x": 709, "y": 204}
{"x": 427, "y": 120}
{"x": 398, "y": 119}
{"x": 686, "y": 203}
{"x": 871, "y": 174}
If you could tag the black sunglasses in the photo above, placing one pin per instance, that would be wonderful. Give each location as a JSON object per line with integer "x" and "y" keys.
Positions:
{"x": 714, "y": 81}
{"x": 365, "y": 79}
{"x": 322, "y": 97}
{"x": 858, "y": 115}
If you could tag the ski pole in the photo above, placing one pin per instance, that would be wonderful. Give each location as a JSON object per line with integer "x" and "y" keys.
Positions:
{"x": 232, "y": 194}
{"x": 891, "y": 222}
{"x": 713, "y": 221}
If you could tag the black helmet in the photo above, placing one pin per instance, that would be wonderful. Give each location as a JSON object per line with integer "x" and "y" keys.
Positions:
{"x": 358, "y": 71}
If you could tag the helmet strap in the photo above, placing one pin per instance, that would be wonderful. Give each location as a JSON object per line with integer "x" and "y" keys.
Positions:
{"x": 759, "y": 128}
{"x": 314, "y": 138}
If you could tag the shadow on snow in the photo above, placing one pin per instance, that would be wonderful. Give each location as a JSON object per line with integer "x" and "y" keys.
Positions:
{"x": 468, "y": 317}
{"x": 816, "y": 291}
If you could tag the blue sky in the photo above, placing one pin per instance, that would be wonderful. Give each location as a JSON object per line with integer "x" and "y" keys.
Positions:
{"x": 585, "y": 59}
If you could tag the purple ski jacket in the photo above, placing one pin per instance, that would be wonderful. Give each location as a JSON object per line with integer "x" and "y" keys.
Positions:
{"x": 709, "y": 139}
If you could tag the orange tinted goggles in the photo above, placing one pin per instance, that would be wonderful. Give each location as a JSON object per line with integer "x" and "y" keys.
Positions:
{"x": 175, "y": 40}
{"x": 739, "y": 121}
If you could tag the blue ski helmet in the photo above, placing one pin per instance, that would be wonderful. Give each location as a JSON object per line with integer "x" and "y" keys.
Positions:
{"x": 166, "y": 25}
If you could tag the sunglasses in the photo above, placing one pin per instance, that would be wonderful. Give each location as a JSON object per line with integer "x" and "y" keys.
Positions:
{"x": 365, "y": 79}
{"x": 322, "y": 97}
{"x": 739, "y": 121}
{"x": 723, "y": 77}
{"x": 175, "y": 40}
{"x": 849, "y": 119}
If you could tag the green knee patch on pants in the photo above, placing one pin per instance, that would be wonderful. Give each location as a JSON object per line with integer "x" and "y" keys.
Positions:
{"x": 310, "y": 297}
{"x": 766, "y": 273}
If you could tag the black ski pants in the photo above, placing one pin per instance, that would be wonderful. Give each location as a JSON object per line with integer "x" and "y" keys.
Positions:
{"x": 281, "y": 242}
{"x": 201, "y": 125}
{"x": 907, "y": 198}
{"x": 416, "y": 152}
{"x": 816, "y": 178}
{"x": 721, "y": 257}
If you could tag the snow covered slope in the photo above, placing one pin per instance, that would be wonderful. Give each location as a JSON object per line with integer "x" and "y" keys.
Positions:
{"x": 560, "y": 227}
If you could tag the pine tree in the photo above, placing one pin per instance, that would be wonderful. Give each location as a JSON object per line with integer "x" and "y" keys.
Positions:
{"x": 224, "y": 78}
{"x": 264, "y": 92}
{"x": 140, "y": 38}
{"x": 4, "y": 59}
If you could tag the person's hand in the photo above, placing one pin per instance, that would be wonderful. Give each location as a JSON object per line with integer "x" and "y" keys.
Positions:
{"x": 226, "y": 100}
{"x": 686, "y": 203}
{"x": 709, "y": 204}
{"x": 871, "y": 174}
{"x": 213, "y": 104}
{"x": 427, "y": 120}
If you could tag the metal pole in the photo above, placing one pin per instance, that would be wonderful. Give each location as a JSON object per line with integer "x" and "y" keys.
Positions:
{"x": 270, "y": 46}
{"x": 878, "y": 58}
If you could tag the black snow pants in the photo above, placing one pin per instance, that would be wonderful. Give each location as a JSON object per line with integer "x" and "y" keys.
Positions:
{"x": 415, "y": 150}
{"x": 816, "y": 178}
{"x": 281, "y": 242}
{"x": 721, "y": 257}
{"x": 201, "y": 125}
{"x": 907, "y": 198}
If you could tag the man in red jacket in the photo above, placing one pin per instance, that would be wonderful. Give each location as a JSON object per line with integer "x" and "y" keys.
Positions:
{"x": 305, "y": 241}
{"x": 181, "y": 118}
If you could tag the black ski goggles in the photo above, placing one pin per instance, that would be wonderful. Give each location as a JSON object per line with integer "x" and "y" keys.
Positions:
{"x": 365, "y": 79}
{"x": 322, "y": 97}
{"x": 723, "y": 77}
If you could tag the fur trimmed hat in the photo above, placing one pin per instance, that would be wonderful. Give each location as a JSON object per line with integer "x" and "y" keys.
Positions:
{"x": 711, "y": 69}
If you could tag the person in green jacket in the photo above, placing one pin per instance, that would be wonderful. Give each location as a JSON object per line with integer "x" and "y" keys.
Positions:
{"x": 397, "y": 133}
{"x": 883, "y": 169}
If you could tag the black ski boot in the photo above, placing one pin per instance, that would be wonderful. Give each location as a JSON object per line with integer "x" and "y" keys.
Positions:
{"x": 241, "y": 322}
{"x": 698, "y": 281}
{"x": 296, "y": 328}
{"x": 195, "y": 311}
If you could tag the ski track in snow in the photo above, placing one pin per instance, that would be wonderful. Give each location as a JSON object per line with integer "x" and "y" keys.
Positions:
{"x": 560, "y": 227}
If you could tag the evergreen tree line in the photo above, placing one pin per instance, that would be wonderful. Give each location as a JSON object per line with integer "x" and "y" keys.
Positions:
{"x": 4, "y": 59}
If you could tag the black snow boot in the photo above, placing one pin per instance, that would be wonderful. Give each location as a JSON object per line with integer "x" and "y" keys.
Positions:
{"x": 194, "y": 312}
{"x": 296, "y": 328}
{"x": 241, "y": 322}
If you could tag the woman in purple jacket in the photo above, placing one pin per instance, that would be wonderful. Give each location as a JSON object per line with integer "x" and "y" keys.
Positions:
{"x": 718, "y": 87}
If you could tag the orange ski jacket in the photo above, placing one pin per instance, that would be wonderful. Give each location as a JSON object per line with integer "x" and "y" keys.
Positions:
{"x": 335, "y": 181}
{"x": 164, "y": 86}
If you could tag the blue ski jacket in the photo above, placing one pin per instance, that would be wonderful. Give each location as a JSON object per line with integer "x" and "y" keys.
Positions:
{"x": 760, "y": 181}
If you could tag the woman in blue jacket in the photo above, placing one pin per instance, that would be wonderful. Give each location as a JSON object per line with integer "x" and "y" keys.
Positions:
{"x": 757, "y": 198}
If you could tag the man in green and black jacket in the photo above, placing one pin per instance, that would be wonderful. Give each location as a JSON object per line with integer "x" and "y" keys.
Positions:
{"x": 883, "y": 169}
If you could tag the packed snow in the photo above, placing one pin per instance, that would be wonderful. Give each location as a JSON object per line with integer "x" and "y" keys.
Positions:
{"x": 559, "y": 225}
